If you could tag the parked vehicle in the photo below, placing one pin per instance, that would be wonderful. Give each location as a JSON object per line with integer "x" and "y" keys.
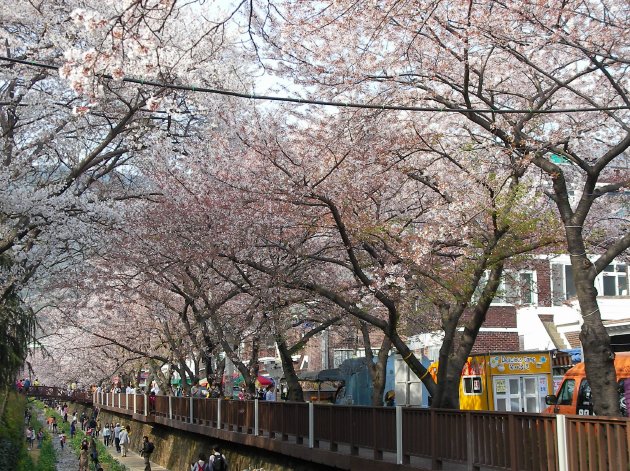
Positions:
{"x": 574, "y": 393}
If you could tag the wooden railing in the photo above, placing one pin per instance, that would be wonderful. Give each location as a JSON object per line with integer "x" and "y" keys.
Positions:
{"x": 50, "y": 392}
{"x": 412, "y": 437}
{"x": 597, "y": 443}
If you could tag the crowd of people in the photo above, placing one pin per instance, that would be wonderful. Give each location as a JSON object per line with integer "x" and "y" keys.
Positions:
{"x": 115, "y": 435}
{"x": 23, "y": 385}
{"x": 215, "y": 461}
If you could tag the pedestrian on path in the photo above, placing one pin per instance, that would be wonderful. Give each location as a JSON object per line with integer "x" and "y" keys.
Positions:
{"x": 124, "y": 440}
{"x": 84, "y": 462}
{"x": 94, "y": 452}
{"x": 40, "y": 437}
{"x": 106, "y": 434}
{"x": 29, "y": 437}
{"x": 217, "y": 461}
{"x": 117, "y": 437}
{"x": 62, "y": 439}
{"x": 200, "y": 464}
{"x": 146, "y": 451}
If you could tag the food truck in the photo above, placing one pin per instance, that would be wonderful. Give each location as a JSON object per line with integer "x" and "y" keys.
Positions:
{"x": 505, "y": 381}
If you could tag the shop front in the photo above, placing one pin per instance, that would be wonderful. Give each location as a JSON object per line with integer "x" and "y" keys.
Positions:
{"x": 506, "y": 381}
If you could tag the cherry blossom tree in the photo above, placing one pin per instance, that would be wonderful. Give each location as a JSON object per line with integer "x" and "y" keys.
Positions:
{"x": 72, "y": 143}
{"x": 384, "y": 228}
{"x": 517, "y": 75}
{"x": 392, "y": 217}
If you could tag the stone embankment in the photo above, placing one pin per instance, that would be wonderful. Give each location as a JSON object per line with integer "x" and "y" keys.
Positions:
{"x": 177, "y": 450}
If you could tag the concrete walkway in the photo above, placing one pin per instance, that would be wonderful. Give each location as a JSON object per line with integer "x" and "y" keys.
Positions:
{"x": 135, "y": 462}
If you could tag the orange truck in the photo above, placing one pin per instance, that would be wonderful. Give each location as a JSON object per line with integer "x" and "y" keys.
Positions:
{"x": 574, "y": 393}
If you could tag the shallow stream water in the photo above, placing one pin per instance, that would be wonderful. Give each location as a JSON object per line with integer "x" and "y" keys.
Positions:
{"x": 66, "y": 458}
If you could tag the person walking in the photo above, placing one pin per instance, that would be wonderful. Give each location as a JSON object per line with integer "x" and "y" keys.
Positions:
{"x": 40, "y": 437}
{"x": 62, "y": 439}
{"x": 145, "y": 452}
{"x": 29, "y": 437}
{"x": 217, "y": 461}
{"x": 200, "y": 464}
{"x": 106, "y": 434}
{"x": 54, "y": 424}
{"x": 117, "y": 437}
{"x": 84, "y": 462}
{"x": 123, "y": 439}
{"x": 94, "y": 453}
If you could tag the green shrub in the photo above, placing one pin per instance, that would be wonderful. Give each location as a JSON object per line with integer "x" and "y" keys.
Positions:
{"x": 47, "y": 456}
{"x": 12, "y": 442}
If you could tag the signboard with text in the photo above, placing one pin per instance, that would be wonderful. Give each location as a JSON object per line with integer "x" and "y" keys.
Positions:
{"x": 519, "y": 363}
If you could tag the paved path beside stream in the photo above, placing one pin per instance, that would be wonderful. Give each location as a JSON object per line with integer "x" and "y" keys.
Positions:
{"x": 135, "y": 462}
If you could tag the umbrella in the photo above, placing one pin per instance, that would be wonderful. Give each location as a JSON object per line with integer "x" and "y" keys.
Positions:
{"x": 203, "y": 382}
{"x": 262, "y": 381}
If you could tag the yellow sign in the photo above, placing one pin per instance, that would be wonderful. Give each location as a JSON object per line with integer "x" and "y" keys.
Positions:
{"x": 519, "y": 363}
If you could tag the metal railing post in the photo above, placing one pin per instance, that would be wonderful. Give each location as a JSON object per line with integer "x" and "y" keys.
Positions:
{"x": 107, "y": 399}
{"x": 134, "y": 403}
{"x": 219, "y": 413}
{"x": 126, "y": 400}
{"x": 191, "y": 409}
{"x": 311, "y": 424}
{"x": 170, "y": 407}
{"x": 399, "y": 435}
{"x": 561, "y": 435}
{"x": 146, "y": 405}
{"x": 256, "y": 417}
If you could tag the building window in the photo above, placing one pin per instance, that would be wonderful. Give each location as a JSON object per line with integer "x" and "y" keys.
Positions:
{"x": 360, "y": 353}
{"x": 472, "y": 385}
{"x": 340, "y": 355}
{"x": 562, "y": 284}
{"x": 614, "y": 280}
{"x": 517, "y": 288}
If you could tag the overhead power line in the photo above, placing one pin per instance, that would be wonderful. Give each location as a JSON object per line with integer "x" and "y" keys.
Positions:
{"x": 339, "y": 104}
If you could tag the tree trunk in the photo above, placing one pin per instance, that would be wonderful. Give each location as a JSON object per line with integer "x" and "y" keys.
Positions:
{"x": 444, "y": 396}
{"x": 217, "y": 378}
{"x": 377, "y": 371}
{"x": 295, "y": 392}
{"x": 4, "y": 395}
{"x": 598, "y": 353}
